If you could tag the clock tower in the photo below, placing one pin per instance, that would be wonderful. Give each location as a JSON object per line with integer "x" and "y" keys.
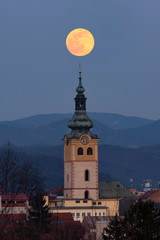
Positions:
{"x": 80, "y": 153}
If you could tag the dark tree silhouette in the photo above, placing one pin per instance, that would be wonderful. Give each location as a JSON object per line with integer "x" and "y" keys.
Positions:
{"x": 8, "y": 170}
{"x": 19, "y": 177}
{"x": 30, "y": 180}
{"x": 113, "y": 230}
{"x": 142, "y": 222}
{"x": 39, "y": 215}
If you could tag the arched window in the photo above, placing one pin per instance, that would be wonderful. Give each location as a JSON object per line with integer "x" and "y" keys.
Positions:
{"x": 89, "y": 151}
{"x": 86, "y": 195}
{"x": 80, "y": 151}
{"x": 86, "y": 175}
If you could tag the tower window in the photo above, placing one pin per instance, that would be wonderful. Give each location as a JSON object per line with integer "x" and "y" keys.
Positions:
{"x": 89, "y": 151}
{"x": 86, "y": 175}
{"x": 80, "y": 151}
{"x": 86, "y": 195}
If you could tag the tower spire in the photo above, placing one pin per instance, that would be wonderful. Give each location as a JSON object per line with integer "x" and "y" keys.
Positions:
{"x": 80, "y": 122}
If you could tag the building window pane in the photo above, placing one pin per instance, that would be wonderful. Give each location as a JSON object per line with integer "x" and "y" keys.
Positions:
{"x": 20, "y": 201}
{"x": 86, "y": 195}
{"x": 89, "y": 151}
{"x": 86, "y": 175}
{"x": 11, "y": 202}
{"x": 80, "y": 151}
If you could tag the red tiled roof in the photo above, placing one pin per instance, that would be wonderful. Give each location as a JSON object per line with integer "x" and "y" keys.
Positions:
{"x": 13, "y": 217}
{"x": 14, "y": 196}
{"x": 64, "y": 217}
{"x": 79, "y": 228}
{"x": 62, "y": 220}
{"x": 133, "y": 190}
{"x": 51, "y": 198}
{"x": 55, "y": 191}
{"x": 153, "y": 195}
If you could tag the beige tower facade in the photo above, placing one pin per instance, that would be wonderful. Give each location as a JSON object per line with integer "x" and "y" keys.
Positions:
{"x": 80, "y": 153}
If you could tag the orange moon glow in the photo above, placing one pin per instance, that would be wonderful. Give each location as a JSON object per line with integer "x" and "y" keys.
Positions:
{"x": 80, "y": 42}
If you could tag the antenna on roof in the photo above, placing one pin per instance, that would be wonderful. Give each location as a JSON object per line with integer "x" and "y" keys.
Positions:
{"x": 131, "y": 182}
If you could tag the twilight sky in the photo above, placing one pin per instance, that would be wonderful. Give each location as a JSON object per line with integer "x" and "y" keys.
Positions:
{"x": 38, "y": 75}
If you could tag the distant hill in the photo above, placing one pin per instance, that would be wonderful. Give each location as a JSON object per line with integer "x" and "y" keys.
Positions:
{"x": 50, "y": 129}
{"x": 36, "y": 121}
{"x": 115, "y": 121}
{"x": 125, "y": 163}
{"x": 118, "y": 163}
{"x": 130, "y": 137}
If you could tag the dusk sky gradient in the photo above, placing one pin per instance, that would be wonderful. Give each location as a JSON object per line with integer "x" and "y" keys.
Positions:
{"x": 38, "y": 75}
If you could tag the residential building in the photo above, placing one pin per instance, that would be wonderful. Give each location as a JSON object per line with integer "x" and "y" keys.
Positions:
{"x": 14, "y": 203}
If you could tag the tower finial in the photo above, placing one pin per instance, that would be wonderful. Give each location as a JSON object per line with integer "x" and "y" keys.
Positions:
{"x": 80, "y": 88}
{"x": 80, "y": 71}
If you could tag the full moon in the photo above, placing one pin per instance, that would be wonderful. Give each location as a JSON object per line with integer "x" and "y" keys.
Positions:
{"x": 80, "y": 42}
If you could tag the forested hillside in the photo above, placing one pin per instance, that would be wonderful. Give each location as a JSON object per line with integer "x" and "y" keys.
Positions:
{"x": 115, "y": 162}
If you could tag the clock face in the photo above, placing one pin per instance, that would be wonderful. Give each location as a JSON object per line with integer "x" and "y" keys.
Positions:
{"x": 84, "y": 140}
